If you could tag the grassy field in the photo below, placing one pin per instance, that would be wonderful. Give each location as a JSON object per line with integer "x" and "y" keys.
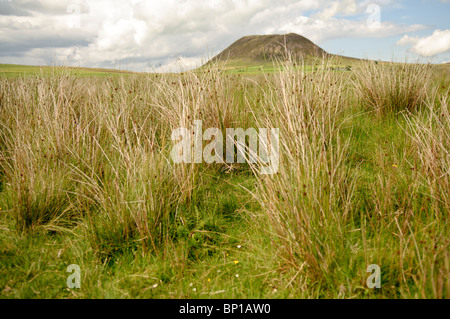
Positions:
{"x": 15, "y": 70}
{"x": 86, "y": 178}
{"x": 254, "y": 66}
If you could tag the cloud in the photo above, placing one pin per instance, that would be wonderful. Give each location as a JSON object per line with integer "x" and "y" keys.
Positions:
{"x": 141, "y": 33}
{"x": 7, "y": 8}
{"x": 48, "y": 7}
{"x": 345, "y": 7}
{"x": 320, "y": 30}
{"x": 438, "y": 42}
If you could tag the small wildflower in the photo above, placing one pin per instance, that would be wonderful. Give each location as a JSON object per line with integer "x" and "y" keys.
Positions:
{"x": 394, "y": 165}
{"x": 194, "y": 289}
{"x": 237, "y": 275}
{"x": 239, "y": 246}
{"x": 236, "y": 262}
{"x": 155, "y": 285}
{"x": 209, "y": 279}
{"x": 191, "y": 284}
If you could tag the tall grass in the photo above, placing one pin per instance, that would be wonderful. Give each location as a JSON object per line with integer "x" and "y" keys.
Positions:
{"x": 386, "y": 88}
{"x": 36, "y": 122}
{"x": 327, "y": 223}
{"x": 92, "y": 157}
{"x": 308, "y": 201}
{"x": 98, "y": 150}
{"x": 431, "y": 135}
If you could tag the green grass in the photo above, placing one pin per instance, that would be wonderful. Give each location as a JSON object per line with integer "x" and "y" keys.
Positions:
{"x": 15, "y": 70}
{"x": 86, "y": 179}
{"x": 210, "y": 238}
{"x": 252, "y": 67}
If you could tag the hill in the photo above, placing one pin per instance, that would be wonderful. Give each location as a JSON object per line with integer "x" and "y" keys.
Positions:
{"x": 265, "y": 47}
{"x": 261, "y": 50}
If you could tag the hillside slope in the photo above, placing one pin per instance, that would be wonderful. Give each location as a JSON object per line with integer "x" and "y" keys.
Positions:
{"x": 256, "y": 51}
{"x": 266, "y": 47}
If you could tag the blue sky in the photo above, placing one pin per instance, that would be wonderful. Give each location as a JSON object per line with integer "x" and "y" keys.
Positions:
{"x": 433, "y": 15}
{"x": 145, "y": 35}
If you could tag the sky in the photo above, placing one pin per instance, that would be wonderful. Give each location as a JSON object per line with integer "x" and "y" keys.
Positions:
{"x": 174, "y": 35}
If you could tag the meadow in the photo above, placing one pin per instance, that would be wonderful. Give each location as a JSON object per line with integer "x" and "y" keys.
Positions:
{"x": 86, "y": 178}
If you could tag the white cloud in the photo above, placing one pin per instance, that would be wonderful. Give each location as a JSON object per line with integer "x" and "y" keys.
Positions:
{"x": 406, "y": 40}
{"x": 438, "y": 42}
{"x": 138, "y": 33}
{"x": 320, "y": 30}
{"x": 345, "y": 7}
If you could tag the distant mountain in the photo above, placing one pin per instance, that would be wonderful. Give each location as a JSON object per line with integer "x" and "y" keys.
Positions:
{"x": 257, "y": 50}
{"x": 261, "y": 48}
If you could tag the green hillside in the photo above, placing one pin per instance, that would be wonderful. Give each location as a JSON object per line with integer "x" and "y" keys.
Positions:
{"x": 256, "y": 53}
